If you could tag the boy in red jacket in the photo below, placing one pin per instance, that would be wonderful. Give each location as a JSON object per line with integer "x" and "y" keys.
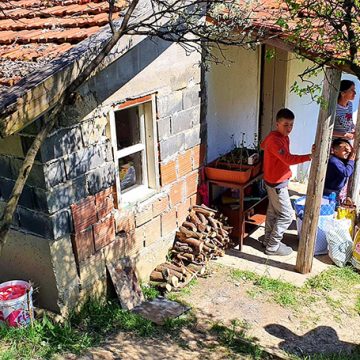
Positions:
{"x": 277, "y": 161}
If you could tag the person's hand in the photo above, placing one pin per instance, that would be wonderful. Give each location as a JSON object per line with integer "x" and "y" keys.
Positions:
{"x": 313, "y": 148}
{"x": 349, "y": 136}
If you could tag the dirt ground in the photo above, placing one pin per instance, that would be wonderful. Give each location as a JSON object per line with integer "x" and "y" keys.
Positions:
{"x": 283, "y": 332}
{"x": 220, "y": 298}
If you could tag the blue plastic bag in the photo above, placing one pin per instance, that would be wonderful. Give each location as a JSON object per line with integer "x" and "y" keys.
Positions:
{"x": 327, "y": 207}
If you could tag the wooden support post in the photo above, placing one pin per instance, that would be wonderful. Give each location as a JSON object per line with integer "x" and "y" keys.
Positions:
{"x": 317, "y": 172}
{"x": 354, "y": 185}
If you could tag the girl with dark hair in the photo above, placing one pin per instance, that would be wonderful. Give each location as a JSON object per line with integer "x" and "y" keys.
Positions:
{"x": 344, "y": 126}
{"x": 340, "y": 167}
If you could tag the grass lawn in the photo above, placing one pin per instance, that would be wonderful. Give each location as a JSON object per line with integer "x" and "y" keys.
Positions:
{"x": 95, "y": 322}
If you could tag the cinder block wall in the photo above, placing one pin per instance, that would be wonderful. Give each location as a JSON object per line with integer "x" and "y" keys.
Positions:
{"x": 69, "y": 199}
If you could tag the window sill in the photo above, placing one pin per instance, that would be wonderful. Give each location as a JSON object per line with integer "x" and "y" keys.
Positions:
{"x": 134, "y": 196}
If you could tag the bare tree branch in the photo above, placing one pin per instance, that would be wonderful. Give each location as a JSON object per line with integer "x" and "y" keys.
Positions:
{"x": 25, "y": 169}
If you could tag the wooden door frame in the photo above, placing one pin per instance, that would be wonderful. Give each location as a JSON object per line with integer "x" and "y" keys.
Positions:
{"x": 274, "y": 86}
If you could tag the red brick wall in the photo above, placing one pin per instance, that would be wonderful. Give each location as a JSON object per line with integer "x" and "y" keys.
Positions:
{"x": 96, "y": 227}
{"x": 160, "y": 216}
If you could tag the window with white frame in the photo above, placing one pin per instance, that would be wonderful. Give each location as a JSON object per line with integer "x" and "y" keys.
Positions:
{"x": 134, "y": 145}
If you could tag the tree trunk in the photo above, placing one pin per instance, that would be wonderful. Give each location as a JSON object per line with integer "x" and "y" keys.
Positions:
{"x": 24, "y": 172}
{"x": 315, "y": 188}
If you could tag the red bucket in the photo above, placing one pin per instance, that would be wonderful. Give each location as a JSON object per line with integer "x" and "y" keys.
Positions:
{"x": 16, "y": 307}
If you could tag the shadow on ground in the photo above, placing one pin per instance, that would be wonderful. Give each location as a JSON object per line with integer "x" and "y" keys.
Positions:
{"x": 201, "y": 337}
{"x": 318, "y": 341}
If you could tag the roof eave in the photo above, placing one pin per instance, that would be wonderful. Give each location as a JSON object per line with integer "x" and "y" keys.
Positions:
{"x": 38, "y": 92}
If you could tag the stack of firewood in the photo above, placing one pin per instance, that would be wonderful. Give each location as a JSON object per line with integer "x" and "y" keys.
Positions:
{"x": 203, "y": 236}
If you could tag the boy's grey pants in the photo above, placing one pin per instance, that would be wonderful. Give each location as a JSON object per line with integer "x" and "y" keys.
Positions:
{"x": 279, "y": 216}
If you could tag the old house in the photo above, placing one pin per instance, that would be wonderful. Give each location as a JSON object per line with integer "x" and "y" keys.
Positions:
{"x": 118, "y": 172}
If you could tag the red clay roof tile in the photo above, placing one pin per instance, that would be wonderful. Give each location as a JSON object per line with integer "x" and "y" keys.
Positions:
{"x": 37, "y": 31}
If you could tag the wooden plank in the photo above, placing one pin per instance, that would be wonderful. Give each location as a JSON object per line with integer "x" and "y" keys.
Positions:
{"x": 315, "y": 188}
{"x": 126, "y": 285}
{"x": 355, "y": 179}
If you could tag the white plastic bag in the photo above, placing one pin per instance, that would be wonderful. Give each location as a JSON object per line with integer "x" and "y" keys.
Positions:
{"x": 321, "y": 245}
{"x": 339, "y": 241}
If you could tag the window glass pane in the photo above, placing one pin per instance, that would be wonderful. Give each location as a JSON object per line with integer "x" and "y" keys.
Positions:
{"x": 127, "y": 127}
{"x": 130, "y": 170}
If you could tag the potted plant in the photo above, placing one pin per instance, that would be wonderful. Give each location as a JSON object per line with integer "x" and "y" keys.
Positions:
{"x": 238, "y": 165}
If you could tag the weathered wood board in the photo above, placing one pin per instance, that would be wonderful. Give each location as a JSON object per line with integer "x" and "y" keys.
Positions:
{"x": 126, "y": 285}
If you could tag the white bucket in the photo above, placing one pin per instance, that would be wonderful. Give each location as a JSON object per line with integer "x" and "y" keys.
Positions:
{"x": 19, "y": 310}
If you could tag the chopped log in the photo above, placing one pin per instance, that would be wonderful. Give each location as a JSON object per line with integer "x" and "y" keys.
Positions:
{"x": 203, "y": 208}
{"x": 181, "y": 257}
{"x": 207, "y": 249}
{"x": 199, "y": 239}
{"x": 178, "y": 262}
{"x": 162, "y": 268}
{"x": 190, "y": 257}
{"x": 190, "y": 271}
{"x": 161, "y": 285}
{"x": 224, "y": 232}
{"x": 223, "y": 218}
{"x": 213, "y": 223}
{"x": 183, "y": 239}
{"x": 227, "y": 228}
{"x": 183, "y": 248}
{"x": 181, "y": 236}
{"x": 210, "y": 245}
{"x": 220, "y": 252}
{"x": 197, "y": 245}
{"x": 190, "y": 233}
{"x": 189, "y": 225}
{"x": 200, "y": 269}
{"x": 165, "y": 273}
{"x": 202, "y": 218}
{"x": 157, "y": 276}
{"x": 221, "y": 231}
{"x": 173, "y": 281}
{"x": 191, "y": 276}
{"x": 218, "y": 242}
{"x": 178, "y": 268}
{"x": 180, "y": 243}
{"x": 201, "y": 257}
{"x": 194, "y": 218}
{"x": 201, "y": 227}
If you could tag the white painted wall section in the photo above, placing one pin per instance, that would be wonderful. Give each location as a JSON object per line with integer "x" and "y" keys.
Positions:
{"x": 233, "y": 91}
